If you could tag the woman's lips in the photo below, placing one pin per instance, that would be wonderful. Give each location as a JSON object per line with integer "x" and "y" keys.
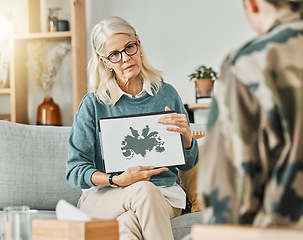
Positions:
{"x": 129, "y": 67}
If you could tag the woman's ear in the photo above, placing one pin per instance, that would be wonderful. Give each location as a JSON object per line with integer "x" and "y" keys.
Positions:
{"x": 253, "y": 5}
{"x": 139, "y": 45}
{"x": 104, "y": 62}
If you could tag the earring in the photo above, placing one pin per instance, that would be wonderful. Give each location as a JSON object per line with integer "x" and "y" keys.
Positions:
{"x": 111, "y": 69}
{"x": 141, "y": 54}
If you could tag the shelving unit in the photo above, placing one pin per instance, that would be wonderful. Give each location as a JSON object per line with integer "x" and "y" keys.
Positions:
{"x": 191, "y": 107}
{"x": 197, "y": 98}
{"x": 18, "y": 90}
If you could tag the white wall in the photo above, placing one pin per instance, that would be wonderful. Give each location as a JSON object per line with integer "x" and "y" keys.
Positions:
{"x": 180, "y": 35}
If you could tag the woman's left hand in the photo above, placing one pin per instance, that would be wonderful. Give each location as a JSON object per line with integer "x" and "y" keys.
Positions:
{"x": 180, "y": 121}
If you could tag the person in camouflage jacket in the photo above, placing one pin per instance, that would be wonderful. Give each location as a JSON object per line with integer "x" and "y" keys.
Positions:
{"x": 252, "y": 166}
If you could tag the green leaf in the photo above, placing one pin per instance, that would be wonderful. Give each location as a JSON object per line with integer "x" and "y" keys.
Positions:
{"x": 203, "y": 72}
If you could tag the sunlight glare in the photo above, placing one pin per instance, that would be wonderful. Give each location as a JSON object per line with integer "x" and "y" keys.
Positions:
{"x": 6, "y": 28}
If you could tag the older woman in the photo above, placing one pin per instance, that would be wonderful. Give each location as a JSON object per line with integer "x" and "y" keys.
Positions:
{"x": 124, "y": 83}
{"x": 256, "y": 120}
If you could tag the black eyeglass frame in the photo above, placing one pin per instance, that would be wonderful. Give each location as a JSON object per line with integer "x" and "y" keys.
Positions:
{"x": 108, "y": 57}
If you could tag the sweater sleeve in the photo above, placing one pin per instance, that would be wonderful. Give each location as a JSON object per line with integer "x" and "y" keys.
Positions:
{"x": 81, "y": 147}
{"x": 192, "y": 154}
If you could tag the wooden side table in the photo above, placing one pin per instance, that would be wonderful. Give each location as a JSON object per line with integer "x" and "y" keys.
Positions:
{"x": 240, "y": 232}
{"x": 53, "y": 229}
{"x": 191, "y": 107}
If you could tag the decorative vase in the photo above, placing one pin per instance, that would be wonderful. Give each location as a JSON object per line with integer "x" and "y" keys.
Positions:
{"x": 53, "y": 17}
{"x": 204, "y": 87}
{"x": 48, "y": 113}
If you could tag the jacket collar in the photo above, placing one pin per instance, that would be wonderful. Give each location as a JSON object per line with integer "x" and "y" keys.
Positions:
{"x": 287, "y": 16}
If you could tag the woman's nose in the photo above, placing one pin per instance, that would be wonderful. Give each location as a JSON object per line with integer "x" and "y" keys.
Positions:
{"x": 124, "y": 57}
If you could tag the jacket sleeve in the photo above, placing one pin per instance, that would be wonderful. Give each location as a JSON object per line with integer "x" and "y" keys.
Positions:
{"x": 235, "y": 163}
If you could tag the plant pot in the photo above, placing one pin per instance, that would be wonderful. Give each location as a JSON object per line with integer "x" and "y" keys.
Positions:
{"x": 48, "y": 113}
{"x": 204, "y": 87}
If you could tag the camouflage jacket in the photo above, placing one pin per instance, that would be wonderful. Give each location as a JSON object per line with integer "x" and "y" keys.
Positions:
{"x": 252, "y": 166}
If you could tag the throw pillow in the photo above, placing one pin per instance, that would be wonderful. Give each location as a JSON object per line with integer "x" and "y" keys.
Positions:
{"x": 189, "y": 181}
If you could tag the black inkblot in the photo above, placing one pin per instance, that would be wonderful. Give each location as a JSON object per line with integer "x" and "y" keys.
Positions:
{"x": 140, "y": 144}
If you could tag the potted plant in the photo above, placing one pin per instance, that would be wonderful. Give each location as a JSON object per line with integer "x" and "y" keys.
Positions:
{"x": 204, "y": 80}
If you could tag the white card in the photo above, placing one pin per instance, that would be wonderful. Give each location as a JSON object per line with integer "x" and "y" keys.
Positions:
{"x": 139, "y": 140}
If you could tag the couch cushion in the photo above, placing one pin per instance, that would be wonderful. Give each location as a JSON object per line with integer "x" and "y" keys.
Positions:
{"x": 181, "y": 225}
{"x": 32, "y": 166}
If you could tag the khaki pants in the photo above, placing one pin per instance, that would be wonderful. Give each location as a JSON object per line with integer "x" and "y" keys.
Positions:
{"x": 141, "y": 209}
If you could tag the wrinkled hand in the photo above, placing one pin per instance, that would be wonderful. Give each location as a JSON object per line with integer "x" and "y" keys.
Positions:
{"x": 136, "y": 174}
{"x": 180, "y": 121}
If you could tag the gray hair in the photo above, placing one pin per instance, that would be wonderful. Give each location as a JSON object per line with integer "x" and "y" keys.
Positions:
{"x": 103, "y": 82}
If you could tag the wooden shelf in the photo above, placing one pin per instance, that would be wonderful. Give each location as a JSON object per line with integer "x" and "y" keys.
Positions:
{"x": 5, "y": 91}
{"x": 6, "y": 117}
{"x": 196, "y": 106}
{"x": 48, "y": 35}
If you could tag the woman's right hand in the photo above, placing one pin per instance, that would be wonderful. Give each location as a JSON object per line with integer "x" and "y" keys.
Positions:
{"x": 136, "y": 174}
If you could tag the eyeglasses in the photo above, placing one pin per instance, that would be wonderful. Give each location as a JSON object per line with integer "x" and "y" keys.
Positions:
{"x": 130, "y": 49}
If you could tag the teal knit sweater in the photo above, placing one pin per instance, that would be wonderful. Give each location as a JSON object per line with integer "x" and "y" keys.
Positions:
{"x": 84, "y": 151}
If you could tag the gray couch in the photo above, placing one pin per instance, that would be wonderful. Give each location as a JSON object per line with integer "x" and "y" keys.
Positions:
{"x": 32, "y": 172}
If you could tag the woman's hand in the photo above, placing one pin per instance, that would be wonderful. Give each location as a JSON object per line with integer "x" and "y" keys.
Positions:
{"x": 180, "y": 121}
{"x": 136, "y": 174}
